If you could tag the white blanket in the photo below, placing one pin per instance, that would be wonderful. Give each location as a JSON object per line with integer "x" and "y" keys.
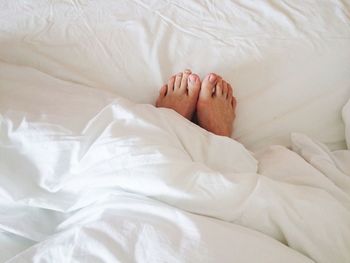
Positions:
{"x": 67, "y": 160}
{"x": 288, "y": 61}
{"x": 88, "y": 176}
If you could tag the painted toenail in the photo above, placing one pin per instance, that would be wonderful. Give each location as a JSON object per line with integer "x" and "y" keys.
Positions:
{"x": 193, "y": 79}
{"x": 212, "y": 78}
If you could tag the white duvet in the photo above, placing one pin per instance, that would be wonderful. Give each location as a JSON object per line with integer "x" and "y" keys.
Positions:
{"x": 69, "y": 164}
{"x": 89, "y": 176}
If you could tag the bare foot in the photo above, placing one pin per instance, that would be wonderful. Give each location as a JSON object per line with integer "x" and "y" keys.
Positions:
{"x": 216, "y": 106}
{"x": 180, "y": 94}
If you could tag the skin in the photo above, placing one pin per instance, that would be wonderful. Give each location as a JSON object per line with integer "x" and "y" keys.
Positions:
{"x": 180, "y": 94}
{"x": 216, "y": 106}
{"x": 212, "y": 100}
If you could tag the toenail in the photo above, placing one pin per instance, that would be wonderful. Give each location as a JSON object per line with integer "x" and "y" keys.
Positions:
{"x": 188, "y": 71}
{"x": 212, "y": 78}
{"x": 179, "y": 74}
{"x": 193, "y": 78}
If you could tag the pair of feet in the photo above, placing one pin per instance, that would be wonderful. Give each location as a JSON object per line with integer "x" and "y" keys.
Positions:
{"x": 210, "y": 102}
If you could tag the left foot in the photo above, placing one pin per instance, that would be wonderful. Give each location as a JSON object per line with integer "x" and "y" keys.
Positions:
{"x": 180, "y": 94}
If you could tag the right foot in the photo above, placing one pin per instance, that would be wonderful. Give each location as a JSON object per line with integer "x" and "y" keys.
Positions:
{"x": 216, "y": 106}
{"x": 180, "y": 94}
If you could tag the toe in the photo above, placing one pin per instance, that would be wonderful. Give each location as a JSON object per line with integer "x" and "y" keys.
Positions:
{"x": 233, "y": 102}
{"x": 193, "y": 85}
{"x": 163, "y": 91}
{"x": 208, "y": 85}
{"x": 224, "y": 89}
{"x": 178, "y": 79}
{"x": 162, "y": 94}
{"x": 184, "y": 80}
{"x": 219, "y": 88}
{"x": 229, "y": 91}
{"x": 171, "y": 83}
{"x": 187, "y": 71}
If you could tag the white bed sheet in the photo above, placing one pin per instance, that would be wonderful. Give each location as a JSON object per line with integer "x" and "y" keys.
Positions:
{"x": 289, "y": 64}
{"x": 62, "y": 152}
{"x": 128, "y": 228}
{"x": 288, "y": 60}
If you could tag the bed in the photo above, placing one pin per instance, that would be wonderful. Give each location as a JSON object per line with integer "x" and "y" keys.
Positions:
{"x": 91, "y": 171}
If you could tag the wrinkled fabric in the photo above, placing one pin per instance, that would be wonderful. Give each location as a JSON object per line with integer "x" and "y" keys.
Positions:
{"x": 288, "y": 61}
{"x": 63, "y": 152}
{"x": 88, "y": 176}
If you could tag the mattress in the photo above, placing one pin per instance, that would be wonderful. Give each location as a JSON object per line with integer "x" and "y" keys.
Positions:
{"x": 90, "y": 171}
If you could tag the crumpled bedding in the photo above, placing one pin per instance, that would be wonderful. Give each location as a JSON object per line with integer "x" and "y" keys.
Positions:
{"x": 287, "y": 60}
{"x": 128, "y": 228}
{"x": 89, "y": 176}
{"x": 63, "y": 154}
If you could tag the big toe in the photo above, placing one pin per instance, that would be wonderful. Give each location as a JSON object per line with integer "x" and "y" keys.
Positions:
{"x": 193, "y": 85}
{"x": 208, "y": 85}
